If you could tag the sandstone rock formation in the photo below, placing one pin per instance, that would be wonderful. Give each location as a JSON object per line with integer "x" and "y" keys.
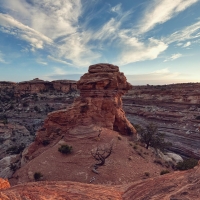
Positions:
{"x": 99, "y": 106}
{"x": 173, "y": 108}
{"x": 37, "y": 86}
{"x": 4, "y": 184}
{"x": 177, "y": 185}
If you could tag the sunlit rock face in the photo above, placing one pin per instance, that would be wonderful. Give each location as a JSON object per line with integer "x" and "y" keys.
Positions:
{"x": 99, "y": 106}
{"x": 4, "y": 184}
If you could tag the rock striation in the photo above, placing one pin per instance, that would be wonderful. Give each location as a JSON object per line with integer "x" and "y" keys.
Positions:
{"x": 36, "y": 86}
{"x": 99, "y": 106}
{"x": 173, "y": 108}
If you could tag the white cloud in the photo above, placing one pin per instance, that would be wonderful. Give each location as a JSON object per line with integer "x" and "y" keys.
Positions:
{"x": 116, "y": 8}
{"x": 59, "y": 71}
{"x": 161, "y": 71}
{"x": 173, "y": 57}
{"x": 14, "y": 27}
{"x": 58, "y": 60}
{"x": 41, "y": 62}
{"x": 187, "y": 33}
{"x": 159, "y": 12}
{"x": 134, "y": 50}
{"x": 187, "y": 44}
{"x": 2, "y": 60}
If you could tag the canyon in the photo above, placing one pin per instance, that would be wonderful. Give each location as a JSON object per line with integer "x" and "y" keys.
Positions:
{"x": 175, "y": 109}
{"x": 38, "y": 117}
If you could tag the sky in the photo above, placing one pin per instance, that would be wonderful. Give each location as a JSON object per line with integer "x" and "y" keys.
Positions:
{"x": 152, "y": 41}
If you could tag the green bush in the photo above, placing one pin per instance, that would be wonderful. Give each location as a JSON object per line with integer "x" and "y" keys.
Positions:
{"x": 65, "y": 149}
{"x": 164, "y": 172}
{"x": 37, "y": 176}
{"x": 187, "y": 164}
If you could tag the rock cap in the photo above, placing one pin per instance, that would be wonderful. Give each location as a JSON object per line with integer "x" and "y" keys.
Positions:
{"x": 103, "y": 67}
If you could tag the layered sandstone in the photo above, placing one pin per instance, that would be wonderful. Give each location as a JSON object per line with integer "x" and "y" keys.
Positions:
{"x": 36, "y": 86}
{"x": 99, "y": 106}
{"x": 4, "y": 184}
{"x": 173, "y": 108}
{"x": 177, "y": 185}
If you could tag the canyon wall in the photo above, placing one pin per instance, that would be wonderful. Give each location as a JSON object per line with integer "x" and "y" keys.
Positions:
{"x": 37, "y": 86}
{"x": 174, "y": 108}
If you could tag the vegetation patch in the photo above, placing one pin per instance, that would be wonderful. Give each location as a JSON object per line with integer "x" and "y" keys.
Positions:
{"x": 45, "y": 142}
{"x": 198, "y": 117}
{"x": 187, "y": 164}
{"x": 65, "y": 149}
{"x": 38, "y": 176}
{"x": 164, "y": 172}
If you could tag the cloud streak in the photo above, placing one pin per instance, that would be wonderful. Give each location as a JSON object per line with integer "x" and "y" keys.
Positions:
{"x": 173, "y": 57}
{"x": 55, "y": 26}
{"x": 159, "y": 12}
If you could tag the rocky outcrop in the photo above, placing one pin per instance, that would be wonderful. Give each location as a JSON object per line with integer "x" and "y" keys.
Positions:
{"x": 13, "y": 139}
{"x": 177, "y": 185}
{"x": 99, "y": 106}
{"x": 173, "y": 108}
{"x": 64, "y": 85}
{"x": 4, "y": 184}
{"x": 36, "y": 86}
{"x": 7, "y": 84}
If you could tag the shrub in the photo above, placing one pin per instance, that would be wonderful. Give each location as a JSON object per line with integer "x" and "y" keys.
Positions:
{"x": 158, "y": 161}
{"x": 147, "y": 174}
{"x": 37, "y": 176}
{"x": 36, "y": 108}
{"x": 119, "y": 137}
{"x": 45, "y": 142}
{"x": 164, "y": 172}
{"x": 15, "y": 149}
{"x": 187, "y": 164}
{"x": 198, "y": 117}
{"x": 13, "y": 167}
{"x": 65, "y": 149}
{"x": 135, "y": 147}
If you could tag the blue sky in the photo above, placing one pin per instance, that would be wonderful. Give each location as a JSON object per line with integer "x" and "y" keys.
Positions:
{"x": 152, "y": 41}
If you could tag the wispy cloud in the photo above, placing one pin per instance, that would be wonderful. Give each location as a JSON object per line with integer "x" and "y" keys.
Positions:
{"x": 59, "y": 71}
{"x": 58, "y": 60}
{"x": 173, "y": 57}
{"x": 23, "y": 32}
{"x": 2, "y": 58}
{"x": 135, "y": 50}
{"x": 116, "y": 8}
{"x": 159, "y": 12}
{"x": 161, "y": 71}
{"x": 187, "y": 33}
{"x": 187, "y": 44}
{"x": 56, "y": 25}
{"x": 161, "y": 76}
{"x": 41, "y": 62}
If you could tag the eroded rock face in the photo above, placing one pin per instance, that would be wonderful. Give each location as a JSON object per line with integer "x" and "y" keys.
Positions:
{"x": 173, "y": 108}
{"x": 99, "y": 106}
{"x": 4, "y": 184}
